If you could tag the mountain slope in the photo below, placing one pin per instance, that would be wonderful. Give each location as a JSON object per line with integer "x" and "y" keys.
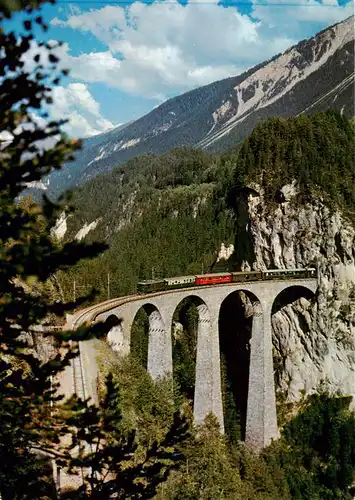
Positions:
{"x": 314, "y": 75}
{"x": 175, "y": 204}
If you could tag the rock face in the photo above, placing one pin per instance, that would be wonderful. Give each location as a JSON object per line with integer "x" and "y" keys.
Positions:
{"x": 313, "y": 338}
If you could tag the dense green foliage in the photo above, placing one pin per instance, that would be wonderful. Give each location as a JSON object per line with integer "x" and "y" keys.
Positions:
{"x": 317, "y": 150}
{"x": 314, "y": 459}
{"x": 317, "y": 450}
{"x": 37, "y": 427}
{"x": 141, "y": 399}
{"x": 117, "y": 464}
{"x": 171, "y": 205}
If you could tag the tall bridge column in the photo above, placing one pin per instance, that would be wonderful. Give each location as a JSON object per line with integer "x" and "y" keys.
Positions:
{"x": 208, "y": 395}
{"x": 160, "y": 362}
{"x": 261, "y": 425}
{"x": 117, "y": 337}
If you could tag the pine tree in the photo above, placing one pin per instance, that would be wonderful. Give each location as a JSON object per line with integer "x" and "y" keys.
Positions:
{"x": 112, "y": 464}
{"x": 33, "y": 417}
{"x": 29, "y": 257}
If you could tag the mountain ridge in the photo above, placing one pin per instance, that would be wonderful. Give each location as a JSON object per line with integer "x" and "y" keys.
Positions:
{"x": 313, "y": 75}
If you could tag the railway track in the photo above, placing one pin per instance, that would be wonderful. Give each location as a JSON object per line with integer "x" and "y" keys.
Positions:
{"x": 88, "y": 314}
{"x": 78, "y": 375}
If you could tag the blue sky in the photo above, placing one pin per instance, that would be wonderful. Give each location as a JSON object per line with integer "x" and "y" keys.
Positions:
{"x": 125, "y": 58}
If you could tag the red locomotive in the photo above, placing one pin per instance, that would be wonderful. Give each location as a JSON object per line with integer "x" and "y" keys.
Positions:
{"x": 213, "y": 279}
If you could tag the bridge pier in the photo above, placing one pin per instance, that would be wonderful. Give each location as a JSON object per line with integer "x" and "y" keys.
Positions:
{"x": 160, "y": 360}
{"x": 261, "y": 425}
{"x": 118, "y": 339}
{"x": 208, "y": 395}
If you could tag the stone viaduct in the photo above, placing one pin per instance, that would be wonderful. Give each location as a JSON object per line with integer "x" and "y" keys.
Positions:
{"x": 261, "y": 422}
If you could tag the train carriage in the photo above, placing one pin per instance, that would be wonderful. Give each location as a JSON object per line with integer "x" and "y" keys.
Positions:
{"x": 148, "y": 286}
{"x": 179, "y": 281}
{"x": 242, "y": 276}
{"x": 289, "y": 273}
{"x": 213, "y": 279}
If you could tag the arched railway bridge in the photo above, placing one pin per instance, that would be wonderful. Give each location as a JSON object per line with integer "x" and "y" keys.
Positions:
{"x": 119, "y": 313}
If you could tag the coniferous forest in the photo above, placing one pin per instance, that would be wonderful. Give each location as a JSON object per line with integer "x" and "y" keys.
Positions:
{"x": 156, "y": 215}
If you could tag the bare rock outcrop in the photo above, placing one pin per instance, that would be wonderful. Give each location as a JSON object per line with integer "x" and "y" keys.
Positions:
{"x": 313, "y": 338}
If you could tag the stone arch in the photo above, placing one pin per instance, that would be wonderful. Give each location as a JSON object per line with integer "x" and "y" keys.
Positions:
{"x": 159, "y": 357}
{"x": 139, "y": 333}
{"x": 189, "y": 314}
{"x": 238, "y": 314}
{"x": 115, "y": 335}
{"x": 291, "y": 311}
{"x": 290, "y": 294}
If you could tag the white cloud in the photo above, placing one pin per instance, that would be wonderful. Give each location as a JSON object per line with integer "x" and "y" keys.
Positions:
{"x": 293, "y": 17}
{"x": 154, "y": 50}
{"x": 101, "y": 22}
{"x": 76, "y": 103}
{"x": 74, "y": 9}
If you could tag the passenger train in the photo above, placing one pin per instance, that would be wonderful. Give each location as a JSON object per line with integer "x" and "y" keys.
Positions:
{"x": 157, "y": 285}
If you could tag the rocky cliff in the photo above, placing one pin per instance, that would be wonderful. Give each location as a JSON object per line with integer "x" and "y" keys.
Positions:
{"x": 313, "y": 337}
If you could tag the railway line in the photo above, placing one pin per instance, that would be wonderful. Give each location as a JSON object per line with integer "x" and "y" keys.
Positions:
{"x": 153, "y": 288}
{"x": 78, "y": 376}
{"x": 88, "y": 314}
